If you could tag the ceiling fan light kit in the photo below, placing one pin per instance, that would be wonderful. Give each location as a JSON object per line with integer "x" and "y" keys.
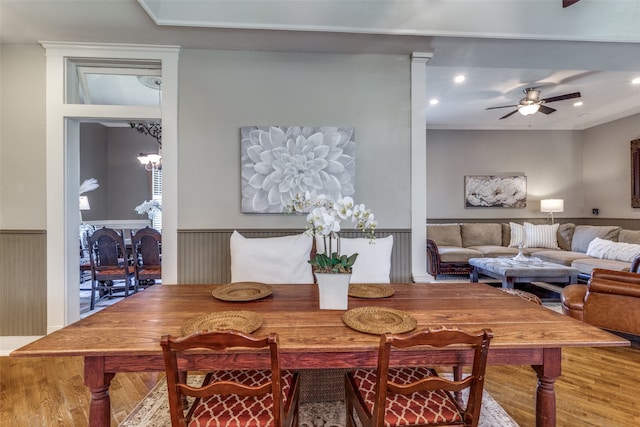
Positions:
{"x": 528, "y": 109}
{"x": 532, "y": 103}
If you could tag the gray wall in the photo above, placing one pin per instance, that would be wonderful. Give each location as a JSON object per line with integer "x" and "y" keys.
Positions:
{"x": 607, "y": 168}
{"x": 22, "y": 137}
{"x": 551, "y": 161}
{"x": 109, "y": 154}
{"x": 222, "y": 91}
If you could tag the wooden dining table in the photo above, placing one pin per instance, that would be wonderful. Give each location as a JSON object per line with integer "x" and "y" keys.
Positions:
{"x": 125, "y": 336}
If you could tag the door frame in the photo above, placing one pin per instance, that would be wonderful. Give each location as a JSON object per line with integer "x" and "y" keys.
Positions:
{"x": 63, "y": 167}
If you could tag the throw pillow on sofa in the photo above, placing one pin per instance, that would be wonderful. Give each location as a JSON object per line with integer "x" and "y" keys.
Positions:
{"x": 584, "y": 234}
{"x": 517, "y": 235}
{"x": 541, "y": 236}
{"x": 271, "y": 259}
{"x": 373, "y": 264}
{"x": 606, "y": 249}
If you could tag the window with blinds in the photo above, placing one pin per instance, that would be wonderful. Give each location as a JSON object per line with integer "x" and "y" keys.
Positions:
{"x": 156, "y": 194}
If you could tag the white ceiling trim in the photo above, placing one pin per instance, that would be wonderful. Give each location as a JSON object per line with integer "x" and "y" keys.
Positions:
{"x": 592, "y": 20}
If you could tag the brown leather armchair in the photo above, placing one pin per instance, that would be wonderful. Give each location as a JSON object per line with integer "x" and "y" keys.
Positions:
{"x": 610, "y": 300}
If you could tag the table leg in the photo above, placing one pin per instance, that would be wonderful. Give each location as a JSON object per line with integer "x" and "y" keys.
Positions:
{"x": 98, "y": 382}
{"x": 545, "y": 393}
{"x": 473, "y": 276}
{"x": 508, "y": 282}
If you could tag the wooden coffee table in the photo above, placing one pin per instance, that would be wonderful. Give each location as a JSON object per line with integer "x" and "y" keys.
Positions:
{"x": 510, "y": 271}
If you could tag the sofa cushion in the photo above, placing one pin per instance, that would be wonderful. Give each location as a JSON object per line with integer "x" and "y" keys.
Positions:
{"x": 584, "y": 234}
{"x": 477, "y": 234}
{"x": 517, "y": 234}
{"x": 585, "y": 265}
{"x": 541, "y": 235}
{"x": 565, "y": 235}
{"x": 559, "y": 257}
{"x": 492, "y": 251}
{"x": 271, "y": 259}
{"x": 445, "y": 234}
{"x": 620, "y": 251}
{"x": 457, "y": 254}
{"x": 629, "y": 236}
{"x": 506, "y": 234}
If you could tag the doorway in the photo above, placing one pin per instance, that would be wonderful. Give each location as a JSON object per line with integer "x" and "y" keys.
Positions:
{"x": 64, "y": 115}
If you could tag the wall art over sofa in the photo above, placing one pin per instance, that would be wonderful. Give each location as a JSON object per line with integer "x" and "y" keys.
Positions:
{"x": 495, "y": 191}
{"x": 277, "y": 162}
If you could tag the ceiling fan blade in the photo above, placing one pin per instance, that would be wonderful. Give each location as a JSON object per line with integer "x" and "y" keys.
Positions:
{"x": 563, "y": 97}
{"x": 546, "y": 110}
{"x": 567, "y": 3}
{"x": 509, "y": 115}
{"x": 502, "y": 106}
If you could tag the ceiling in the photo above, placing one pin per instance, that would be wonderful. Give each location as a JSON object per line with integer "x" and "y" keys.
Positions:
{"x": 501, "y": 46}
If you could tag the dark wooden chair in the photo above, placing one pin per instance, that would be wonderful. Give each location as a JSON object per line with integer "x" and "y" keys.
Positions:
{"x": 146, "y": 246}
{"x": 382, "y": 396}
{"x": 109, "y": 264}
{"x": 266, "y": 397}
{"x": 85, "y": 262}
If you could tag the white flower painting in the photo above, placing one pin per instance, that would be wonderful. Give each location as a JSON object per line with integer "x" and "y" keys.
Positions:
{"x": 279, "y": 162}
{"x": 493, "y": 191}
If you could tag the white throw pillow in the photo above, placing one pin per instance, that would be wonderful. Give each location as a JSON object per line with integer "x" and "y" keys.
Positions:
{"x": 373, "y": 264}
{"x": 541, "y": 236}
{"x": 271, "y": 259}
{"x": 619, "y": 251}
{"x": 517, "y": 235}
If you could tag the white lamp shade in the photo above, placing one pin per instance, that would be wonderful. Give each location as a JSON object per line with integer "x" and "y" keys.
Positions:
{"x": 552, "y": 205}
{"x": 84, "y": 203}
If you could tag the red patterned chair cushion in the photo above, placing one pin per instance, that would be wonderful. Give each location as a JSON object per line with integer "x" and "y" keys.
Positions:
{"x": 412, "y": 409}
{"x": 240, "y": 411}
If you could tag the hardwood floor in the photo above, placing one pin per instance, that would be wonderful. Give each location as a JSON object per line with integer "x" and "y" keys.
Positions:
{"x": 598, "y": 387}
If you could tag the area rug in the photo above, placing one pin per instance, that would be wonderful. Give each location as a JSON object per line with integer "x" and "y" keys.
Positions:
{"x": 153, "y": 411}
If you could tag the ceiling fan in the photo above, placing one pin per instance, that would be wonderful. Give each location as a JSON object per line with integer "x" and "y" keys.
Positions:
{"x": 567, "y": 3}
{"x": 532, "y": 103}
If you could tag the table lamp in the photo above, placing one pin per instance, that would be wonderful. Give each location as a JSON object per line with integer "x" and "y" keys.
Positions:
{"x": 551, "y": 205}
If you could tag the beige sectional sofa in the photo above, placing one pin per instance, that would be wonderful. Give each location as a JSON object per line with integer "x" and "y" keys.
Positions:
{"x": 585, "y": 247}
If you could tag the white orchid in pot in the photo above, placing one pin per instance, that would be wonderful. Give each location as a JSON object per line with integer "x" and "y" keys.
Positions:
{"x": 324, "y": 218}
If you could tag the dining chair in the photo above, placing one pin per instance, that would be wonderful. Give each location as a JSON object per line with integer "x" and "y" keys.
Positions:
{"x": 257, "y": 397}
{"x": 418, "y": 396}
{"x": 146, "y": 249}
{"x": 85, "y": 231}
{"x": 109, "y": 263}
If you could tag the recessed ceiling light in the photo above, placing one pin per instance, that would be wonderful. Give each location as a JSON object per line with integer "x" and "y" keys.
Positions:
{"x": 459, "y": 78}
{"x": 636, "y": 81}
{"x": 578, "y": 104}
{"x": 434, "y": 101}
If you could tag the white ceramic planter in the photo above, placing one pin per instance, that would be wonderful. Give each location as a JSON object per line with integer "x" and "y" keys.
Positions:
{"x": 333, "y": 290}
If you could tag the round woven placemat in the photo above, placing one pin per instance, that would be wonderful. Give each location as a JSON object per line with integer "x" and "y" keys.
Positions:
{"x": 237, "y": 320}
{"x": 242, "y": 291}
{"x": 378, "y": 320}
{"x": 370, "y": 290}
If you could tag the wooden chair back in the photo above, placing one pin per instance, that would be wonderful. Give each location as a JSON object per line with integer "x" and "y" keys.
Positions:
{"x": 146, "y": 245}
{"x": 478, "y": 344}
{"x": 107, "y": 250}
{"x": 172, "y": 347}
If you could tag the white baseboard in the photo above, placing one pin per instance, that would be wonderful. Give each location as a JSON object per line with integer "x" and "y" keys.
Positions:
{"x": 8, "y": 344}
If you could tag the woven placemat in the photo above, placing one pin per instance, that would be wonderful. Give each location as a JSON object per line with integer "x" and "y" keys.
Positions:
{"x": 237, "y": 320}
{"x": 370, "y": 290}
{"x": 242, "y": 291}
{"x": 378, "y": 320}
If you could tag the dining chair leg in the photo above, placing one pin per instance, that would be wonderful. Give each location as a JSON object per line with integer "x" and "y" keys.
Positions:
{"x": 92, "y": 304}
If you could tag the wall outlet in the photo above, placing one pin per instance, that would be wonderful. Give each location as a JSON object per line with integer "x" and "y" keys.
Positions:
{"x": 595, "y": 211}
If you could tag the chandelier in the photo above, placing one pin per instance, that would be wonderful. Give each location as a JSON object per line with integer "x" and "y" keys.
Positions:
{"x": 150, "y": 161}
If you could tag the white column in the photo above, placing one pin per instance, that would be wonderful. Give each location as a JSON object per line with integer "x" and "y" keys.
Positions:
{"x": 419, "y": 168}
